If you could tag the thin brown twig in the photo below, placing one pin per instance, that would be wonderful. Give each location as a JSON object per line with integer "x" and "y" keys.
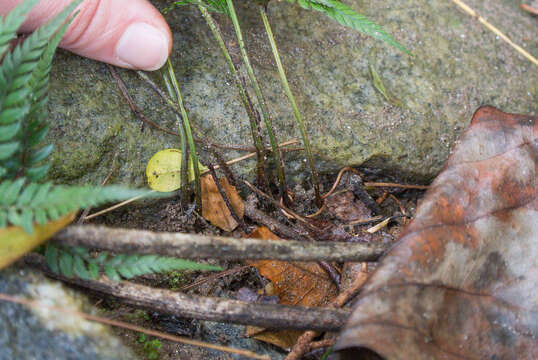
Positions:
{"x": 124, "y": 325}
{"x": 214, "y": 277}
{"x": 398, "y": 202}
{"x": 253, "y": 154}
{"x": 132, "y": 105}
{"x": 207, "y": 308}
{"x": 529, "y": 9}
{"x": 338, "y": 178}
{"x": 379, "y": 226}
{"x": 116, "y": 206}
{"x": 332, "y": 272}
{"x": 319, "y": 212}
{"x": 496, "y": 31}
{"x": 140, "y": 114}
{"x": 321, "y": 344}
{"x": 225, "y": 168}
{"x": 365, "y": 221}
{"x": 229, "y": 146}
{"x": 283, "y": 207}
{"x": 382, "y": 198}
{"x": 389, "y": 184}
{"x": 275, "y": 226}
{"x": 193, "y": 246}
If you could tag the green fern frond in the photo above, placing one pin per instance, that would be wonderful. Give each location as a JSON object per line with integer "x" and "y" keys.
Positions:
{"x": 18, "y": 66}
{"x": 71, "y": 261}
{"x": 12, "y": 22}
{"x": 17, "y": 71}
{"x": 35, "y": 126}
{"x": 23, "y": 205}
{"x": 348, "y": 17}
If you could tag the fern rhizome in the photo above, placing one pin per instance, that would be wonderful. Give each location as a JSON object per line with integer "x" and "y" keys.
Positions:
{"x": 24, "y": 200}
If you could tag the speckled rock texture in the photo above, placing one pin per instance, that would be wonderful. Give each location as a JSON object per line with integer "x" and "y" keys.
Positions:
{"x": 28, "y": 334}
{"x": 457, "y": 66}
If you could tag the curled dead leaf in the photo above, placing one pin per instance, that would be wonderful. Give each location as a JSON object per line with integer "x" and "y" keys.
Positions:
{"x": 214, "y": 208}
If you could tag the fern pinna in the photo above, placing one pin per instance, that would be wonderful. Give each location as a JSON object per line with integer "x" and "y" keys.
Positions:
{"x": 24, "y": 202}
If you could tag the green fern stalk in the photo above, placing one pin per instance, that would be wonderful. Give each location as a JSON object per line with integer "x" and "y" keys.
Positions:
{"x": 188, "y": 132}
{"x": 284, "y": 81}
{"x": 259, "y": 96}
{"x": 184, "y": 173}
{"x": 260, "y": 152}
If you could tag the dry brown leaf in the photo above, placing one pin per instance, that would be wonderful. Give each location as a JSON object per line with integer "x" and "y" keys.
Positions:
{"x": 462, "y": 281}
{"x": 284, "y": 339}
{"x": 295, "y": 283}
{"x": 214, "y": 208}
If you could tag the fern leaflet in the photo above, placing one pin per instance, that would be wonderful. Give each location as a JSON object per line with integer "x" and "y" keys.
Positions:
{"x": 11, "y": 23}
{"x": 35, "y": 126}
{"x": 348, "y": 17}
{"x": 16, "y": 72}
{"x": 23, "y": 205}
{"x": 77, "y": 261}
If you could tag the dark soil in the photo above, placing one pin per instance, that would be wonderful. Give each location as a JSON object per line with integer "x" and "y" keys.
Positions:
{"x": 167, "y": 215}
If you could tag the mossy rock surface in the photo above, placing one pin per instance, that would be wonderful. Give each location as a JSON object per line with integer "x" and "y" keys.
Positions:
{"x": 457, "y": 66}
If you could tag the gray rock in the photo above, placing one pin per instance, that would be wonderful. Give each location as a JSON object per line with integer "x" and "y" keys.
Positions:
{"x": 28, "y": 334}
{"x": 458, "y": 66}
{"x": 233, "y": 336}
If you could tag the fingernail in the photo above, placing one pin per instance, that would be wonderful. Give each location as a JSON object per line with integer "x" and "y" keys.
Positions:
{"x": 142, "y": 46}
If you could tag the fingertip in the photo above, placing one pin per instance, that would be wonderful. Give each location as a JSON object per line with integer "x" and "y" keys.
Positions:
{"x": 143, "y": 46}
{"x": 126, "y": 33}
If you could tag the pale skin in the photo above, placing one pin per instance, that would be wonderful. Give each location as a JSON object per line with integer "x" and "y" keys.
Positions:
{"x": 127, "y": 33}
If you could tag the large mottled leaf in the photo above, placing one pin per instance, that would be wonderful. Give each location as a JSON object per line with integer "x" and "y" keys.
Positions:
{"x": 462, "y": 281}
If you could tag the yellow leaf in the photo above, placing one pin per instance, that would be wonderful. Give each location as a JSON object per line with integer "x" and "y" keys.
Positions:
{"x": 15, "y": 242}
{"x": 164, "y": 170}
